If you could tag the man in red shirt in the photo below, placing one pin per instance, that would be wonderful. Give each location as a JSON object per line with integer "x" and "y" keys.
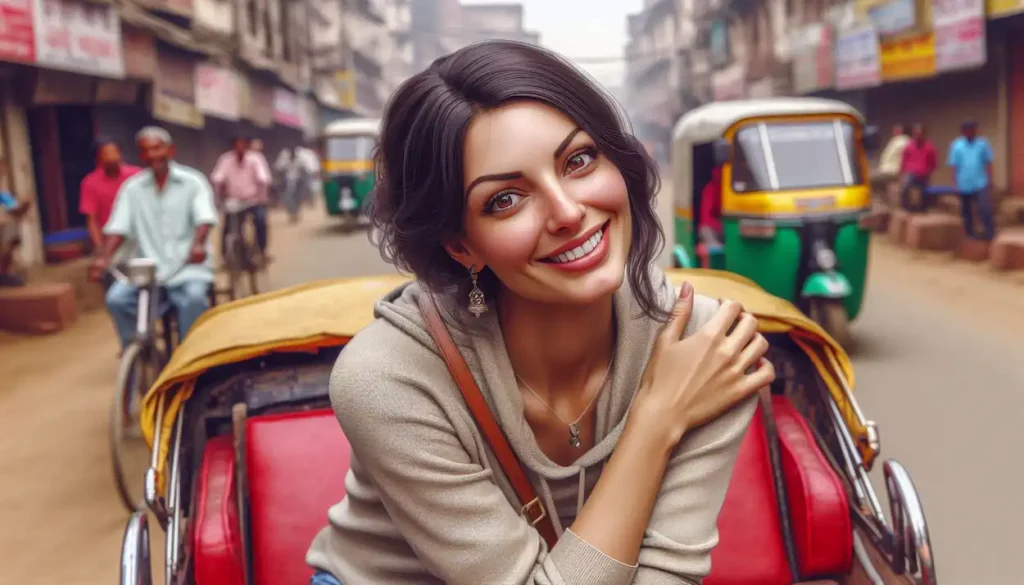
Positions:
{"x": 99, "y": 188}
{"x": 919, "y": 162}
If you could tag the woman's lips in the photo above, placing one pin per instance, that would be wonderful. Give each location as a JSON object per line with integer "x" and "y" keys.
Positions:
{"x": 585, "y": 256}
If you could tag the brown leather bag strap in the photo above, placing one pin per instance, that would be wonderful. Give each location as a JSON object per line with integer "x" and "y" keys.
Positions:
{"x": 533, "y": 510}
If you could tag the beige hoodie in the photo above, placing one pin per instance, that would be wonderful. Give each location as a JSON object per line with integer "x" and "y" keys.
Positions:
{"x": 427, "y": 501}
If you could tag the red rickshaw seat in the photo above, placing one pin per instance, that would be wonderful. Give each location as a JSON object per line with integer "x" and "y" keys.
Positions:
{"x": 297, "y": 464}
{"x": 751, "y": 549}
{"x": 302, "y": 459}
{"x": 216, "y": 536}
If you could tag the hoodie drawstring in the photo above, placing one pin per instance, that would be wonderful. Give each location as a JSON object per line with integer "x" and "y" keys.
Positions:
{"x": 549, "y": 500}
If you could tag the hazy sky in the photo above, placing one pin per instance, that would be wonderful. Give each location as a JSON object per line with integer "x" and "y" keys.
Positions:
{"x": 581, "y": 28}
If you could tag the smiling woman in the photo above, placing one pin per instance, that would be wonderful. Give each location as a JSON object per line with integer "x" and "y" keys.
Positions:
{"x": 592, "y": 438}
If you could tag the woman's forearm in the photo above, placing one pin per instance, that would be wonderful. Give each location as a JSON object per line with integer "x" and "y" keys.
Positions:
{"x": 619, "y": 509}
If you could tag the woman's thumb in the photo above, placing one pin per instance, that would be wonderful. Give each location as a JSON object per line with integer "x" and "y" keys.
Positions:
{"x": 680, "y": 313}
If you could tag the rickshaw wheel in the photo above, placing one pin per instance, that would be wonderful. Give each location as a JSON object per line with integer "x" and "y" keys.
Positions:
{"x": 139, "y": 368}
{"x": 831, "y": 315}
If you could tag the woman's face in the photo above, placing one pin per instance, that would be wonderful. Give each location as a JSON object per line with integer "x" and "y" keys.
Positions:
{"x": 545, "y": 210}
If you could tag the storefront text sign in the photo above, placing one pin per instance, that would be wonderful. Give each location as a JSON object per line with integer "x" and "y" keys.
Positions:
{"x": 174, "y": 91}
{"x": 813, "y": 59}
{"x": 17, "y": 31}
{"x": 217, "y": 91}
{"x": 894, "y": 17}
{"x": 83, "y": 37}
{"x": 909, "y": 58}
{"x": 959, "y": 27}
{"x": 286, "y": 108}
{"x": 857, "y": 59}
{"x": 1001, "y": 8}
{"x": 729, "y": 83}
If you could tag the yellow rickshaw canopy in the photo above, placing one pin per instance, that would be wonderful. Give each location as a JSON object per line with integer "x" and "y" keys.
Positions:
{"x": 329, "y": 312}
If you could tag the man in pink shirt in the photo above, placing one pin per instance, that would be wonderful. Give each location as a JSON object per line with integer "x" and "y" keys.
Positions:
{"x": 242, "y": 175}
{"x": 919, "y": 162}
{"x": 99, "y": 188}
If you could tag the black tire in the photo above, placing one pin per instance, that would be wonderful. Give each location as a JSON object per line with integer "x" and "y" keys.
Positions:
{"x": 139, "y": 367}
{"x": 831, "y": 315}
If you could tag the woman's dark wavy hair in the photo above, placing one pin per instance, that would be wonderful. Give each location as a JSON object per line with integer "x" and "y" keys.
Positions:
{"x": 419, "y": 202}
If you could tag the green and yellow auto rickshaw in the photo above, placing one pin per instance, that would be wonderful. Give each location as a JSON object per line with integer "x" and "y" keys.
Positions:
{"x": 787, "y": 206}
{"x": 347, "y": 168}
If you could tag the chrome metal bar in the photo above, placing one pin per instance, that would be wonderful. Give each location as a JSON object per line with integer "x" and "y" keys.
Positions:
{"x": 912, "y": 550}
{"x": 152, "y": 495}
{"x": 860, "y": 475}
{"x": 135, "y": 562}
{"x": 174, "y": 505}
{"x": 865, "y": 561}
{"x": 143, "y": 311}
{"x": 769, "y": 158}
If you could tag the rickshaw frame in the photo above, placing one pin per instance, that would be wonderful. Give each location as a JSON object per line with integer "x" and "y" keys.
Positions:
{"x": 904, "y": 543}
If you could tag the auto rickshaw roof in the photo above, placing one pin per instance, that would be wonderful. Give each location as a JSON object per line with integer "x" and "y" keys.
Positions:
{"x": 352, "y": 127}
{"x": 328, "y": 313}
{"x": 710, "y": 121}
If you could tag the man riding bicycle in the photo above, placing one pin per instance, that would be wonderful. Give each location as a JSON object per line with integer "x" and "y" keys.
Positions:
{"x": 242, "y": 175}
{"x": 166, "y": 213}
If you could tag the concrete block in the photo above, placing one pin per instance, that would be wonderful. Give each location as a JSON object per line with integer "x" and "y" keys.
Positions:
{"x": 38, "y": 308}
{"x": 877, "y": 220}
{"x": 974, "y": 250}
{"x": 898, "y": 225}
{"x": 936, "y": 232}
{"x": 1008, "y": 251}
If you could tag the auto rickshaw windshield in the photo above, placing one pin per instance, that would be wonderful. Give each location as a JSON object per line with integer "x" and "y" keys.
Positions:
{"x": 349, "y": 148}
{"x": 780, "y": 156}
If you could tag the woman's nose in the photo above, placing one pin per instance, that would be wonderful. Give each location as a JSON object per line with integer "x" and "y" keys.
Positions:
{"x": 566, "y": 213}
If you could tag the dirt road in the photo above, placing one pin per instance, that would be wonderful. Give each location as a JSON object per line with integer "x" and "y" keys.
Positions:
{"x": 934, "y": 368}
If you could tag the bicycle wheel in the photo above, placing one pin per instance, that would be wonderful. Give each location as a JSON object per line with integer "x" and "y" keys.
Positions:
{"x": 129, "y": 453}
{"x": 235, "y": 249}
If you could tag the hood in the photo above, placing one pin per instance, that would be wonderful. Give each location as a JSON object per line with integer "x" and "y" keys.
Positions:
{"x": 483, "y": 348}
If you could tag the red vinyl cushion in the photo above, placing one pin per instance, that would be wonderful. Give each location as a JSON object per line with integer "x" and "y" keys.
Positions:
{"x": 819, "y": 508}
{"x": 216, "y": 536}
{"x": 296, "y": 464}
{"x": 750, "y": 549}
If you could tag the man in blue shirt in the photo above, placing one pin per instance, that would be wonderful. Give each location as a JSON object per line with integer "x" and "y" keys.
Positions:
{"x": 971, "y": 158}
{"x": 165, "y": 213}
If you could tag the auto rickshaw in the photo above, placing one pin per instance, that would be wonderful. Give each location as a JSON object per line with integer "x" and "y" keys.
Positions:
{"x": 347, "y": 168}
{"x": 793, "y": 185}
{"x": 240, "y": 493}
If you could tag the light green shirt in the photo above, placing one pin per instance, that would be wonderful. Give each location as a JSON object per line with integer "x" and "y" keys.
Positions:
{"x": 161, "y": 225}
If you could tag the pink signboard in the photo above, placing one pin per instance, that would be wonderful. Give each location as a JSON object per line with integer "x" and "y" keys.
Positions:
{"x": 286, "y": 108}
{"x": 959, "y": 27}
{"x": 17, "y": 34}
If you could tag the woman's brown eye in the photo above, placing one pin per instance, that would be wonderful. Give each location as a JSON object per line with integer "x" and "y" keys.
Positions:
{"x": 501, "y": 202}
{"x": 580, "y": 160}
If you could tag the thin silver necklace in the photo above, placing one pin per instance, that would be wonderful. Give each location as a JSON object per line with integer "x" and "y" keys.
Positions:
{"x": 574, "y": 429}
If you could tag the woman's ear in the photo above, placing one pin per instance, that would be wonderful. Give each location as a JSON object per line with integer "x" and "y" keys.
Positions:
{"x": 463, "y": 255}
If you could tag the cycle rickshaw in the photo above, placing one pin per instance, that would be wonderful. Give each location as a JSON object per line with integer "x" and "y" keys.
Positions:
{"x": 240, "y": 494}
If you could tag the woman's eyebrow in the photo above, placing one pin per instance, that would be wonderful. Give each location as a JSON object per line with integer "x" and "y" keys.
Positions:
{"x": 565, "y": 143}
{"x": 518, "y": 174}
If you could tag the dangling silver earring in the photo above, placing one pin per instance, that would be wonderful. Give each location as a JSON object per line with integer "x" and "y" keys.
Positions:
{"x": 477, "y": 303}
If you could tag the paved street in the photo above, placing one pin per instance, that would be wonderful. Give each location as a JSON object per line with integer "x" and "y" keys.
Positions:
{"x": 935, "y": 368}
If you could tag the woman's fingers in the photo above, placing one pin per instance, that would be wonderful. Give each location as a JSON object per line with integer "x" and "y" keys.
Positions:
{"x": 723, "y": 319}
{"x": 759, "y": 378}
{"x": 753, "y": 352}
{"x": 742, "y": 334}
{"x": 673, "y": 331}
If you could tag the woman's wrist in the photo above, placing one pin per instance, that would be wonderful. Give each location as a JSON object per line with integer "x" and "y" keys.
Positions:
{"x": 647, "y": 426}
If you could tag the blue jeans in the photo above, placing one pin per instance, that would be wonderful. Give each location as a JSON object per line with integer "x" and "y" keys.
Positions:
{"x": 980, "y": 202}
{"x": 323, "y": 578}
{"x": 188, "y": 298}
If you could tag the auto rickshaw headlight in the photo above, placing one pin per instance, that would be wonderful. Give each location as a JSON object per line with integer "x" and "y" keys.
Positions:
{"x": 825, "y": 258}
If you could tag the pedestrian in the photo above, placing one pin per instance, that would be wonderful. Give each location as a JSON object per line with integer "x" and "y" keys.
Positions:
{"x": 890, "y": 162}
{"x": 241, "y": 175}
{"x": 918, "y": 163}
{"x": 294, "y": 170}
{"x": 165, "y": 213}
{"x": 12, "y": 210}
{"x": 99, "y": 188}
{"x": 970, "y": 156}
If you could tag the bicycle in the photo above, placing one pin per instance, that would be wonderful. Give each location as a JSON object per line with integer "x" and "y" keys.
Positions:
{"x": 241, "y": 253}
{"x": 142, "y": 360}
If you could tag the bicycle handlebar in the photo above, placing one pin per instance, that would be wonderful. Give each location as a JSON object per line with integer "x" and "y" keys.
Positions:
{"x": 121, "y": 277}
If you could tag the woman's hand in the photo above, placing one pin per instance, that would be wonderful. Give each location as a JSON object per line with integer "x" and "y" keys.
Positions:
{"x": 690, "y": 381}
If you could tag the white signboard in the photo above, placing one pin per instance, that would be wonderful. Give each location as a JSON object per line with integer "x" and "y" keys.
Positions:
{"x": 959, "y": 27}
{"x": 82, "y": 37}
{"x": 217, "y": 91}
{"x": 858, "y": 62}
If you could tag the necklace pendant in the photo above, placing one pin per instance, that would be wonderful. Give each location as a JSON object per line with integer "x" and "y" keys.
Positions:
{"x": 574, "y": 436}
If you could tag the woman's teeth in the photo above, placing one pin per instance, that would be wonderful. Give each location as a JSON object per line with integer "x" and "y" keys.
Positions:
{"x": 579, "y": 251}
